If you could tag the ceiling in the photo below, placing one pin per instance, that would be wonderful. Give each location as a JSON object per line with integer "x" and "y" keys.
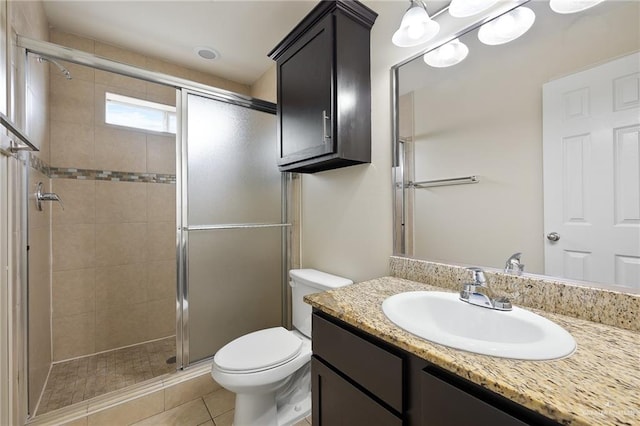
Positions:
{"x": 243, "y": 32}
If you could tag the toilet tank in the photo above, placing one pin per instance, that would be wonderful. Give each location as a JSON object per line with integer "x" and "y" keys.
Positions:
{"x": 308, "y": 281}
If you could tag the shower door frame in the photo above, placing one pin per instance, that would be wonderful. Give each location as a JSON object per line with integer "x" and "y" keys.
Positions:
{"x": 183, "y": 87}
{"x": 182, "y": 325}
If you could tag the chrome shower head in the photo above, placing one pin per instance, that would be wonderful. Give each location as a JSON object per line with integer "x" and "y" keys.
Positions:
{"x": 62, "y": 69}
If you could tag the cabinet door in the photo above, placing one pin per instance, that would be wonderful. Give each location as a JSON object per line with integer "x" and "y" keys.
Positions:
{"x": 305, "y": 83}
{"x": 336, "y": 402}
{"x": 446, "y": 405}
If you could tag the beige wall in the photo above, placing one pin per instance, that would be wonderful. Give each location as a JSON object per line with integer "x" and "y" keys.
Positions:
{"x": 266, "y": 86}
{"x": 491, "y": 126}
{"x": 346, "y": 217}
{"x": 347, "y": 213}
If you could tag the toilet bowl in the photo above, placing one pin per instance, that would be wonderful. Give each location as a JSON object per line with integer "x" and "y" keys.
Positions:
{"x": 269, "y": 370}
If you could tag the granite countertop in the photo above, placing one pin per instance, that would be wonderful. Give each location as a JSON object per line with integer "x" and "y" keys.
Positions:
{"x": 598, "y": 385}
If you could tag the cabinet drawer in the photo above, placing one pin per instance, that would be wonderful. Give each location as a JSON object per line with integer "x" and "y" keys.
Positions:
{"x": 372, "y": 367}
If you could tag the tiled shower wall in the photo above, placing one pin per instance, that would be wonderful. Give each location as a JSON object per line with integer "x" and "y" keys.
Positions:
{"x": 114, "y": 243}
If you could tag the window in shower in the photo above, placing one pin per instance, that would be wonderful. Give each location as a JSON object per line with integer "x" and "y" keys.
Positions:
{"x": 139, "y": 114}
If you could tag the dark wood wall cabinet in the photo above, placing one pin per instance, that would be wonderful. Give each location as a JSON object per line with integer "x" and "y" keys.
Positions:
{"x": 358, "y": 379}
{"x": 324, "y": 89}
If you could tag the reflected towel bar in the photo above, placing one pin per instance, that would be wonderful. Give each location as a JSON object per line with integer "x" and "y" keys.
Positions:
{"x": 444, "y": 182}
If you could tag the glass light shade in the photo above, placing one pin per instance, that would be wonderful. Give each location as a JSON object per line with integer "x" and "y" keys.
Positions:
{"x": 416, "y": 28}
{"x": 507, "y": 27}
{"x": 572, "y": 6}
{"x": 447, "y": 55}
{"x": 464, "y": 8}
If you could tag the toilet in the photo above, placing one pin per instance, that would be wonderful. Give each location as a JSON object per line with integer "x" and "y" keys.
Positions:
{"x": 269, "y": 370}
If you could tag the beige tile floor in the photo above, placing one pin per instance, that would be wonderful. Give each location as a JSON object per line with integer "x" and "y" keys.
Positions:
{"x": 214, "y": 409}
{"x": 84, "y": 378}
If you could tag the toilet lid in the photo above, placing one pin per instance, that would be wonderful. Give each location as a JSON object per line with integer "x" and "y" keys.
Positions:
{"x": 259, "y": 350}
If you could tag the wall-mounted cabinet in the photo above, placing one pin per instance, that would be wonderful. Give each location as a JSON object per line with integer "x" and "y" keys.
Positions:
{"x": 324, "y": 89}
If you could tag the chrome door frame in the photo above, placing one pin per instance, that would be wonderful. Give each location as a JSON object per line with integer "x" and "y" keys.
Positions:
{"x": 182, "y": 222}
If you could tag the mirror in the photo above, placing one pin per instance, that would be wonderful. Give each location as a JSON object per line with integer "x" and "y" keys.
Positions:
{"x": 527, "y": 118}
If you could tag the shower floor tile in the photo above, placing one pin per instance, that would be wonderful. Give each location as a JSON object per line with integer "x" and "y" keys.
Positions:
{"x": 85, "y": 378}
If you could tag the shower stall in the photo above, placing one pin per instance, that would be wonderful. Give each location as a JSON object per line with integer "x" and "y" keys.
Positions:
{"x": 165, "y": 246}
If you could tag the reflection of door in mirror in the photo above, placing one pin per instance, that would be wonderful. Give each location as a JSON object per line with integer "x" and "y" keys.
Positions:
{"x": 591, "y": 128}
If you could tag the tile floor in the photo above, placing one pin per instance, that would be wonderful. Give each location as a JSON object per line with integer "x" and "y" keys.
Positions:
{"x": 84, "y": 378}
{"x": 214, "y": 409}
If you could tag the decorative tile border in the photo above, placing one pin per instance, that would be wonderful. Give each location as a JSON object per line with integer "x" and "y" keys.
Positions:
{"x": 593, "y": 304}
{"x": 37, "y": 163}
{"x": 88, "y": 174}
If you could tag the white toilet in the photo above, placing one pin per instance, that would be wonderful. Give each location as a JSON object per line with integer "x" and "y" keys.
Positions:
{"x": 269, "y": 370}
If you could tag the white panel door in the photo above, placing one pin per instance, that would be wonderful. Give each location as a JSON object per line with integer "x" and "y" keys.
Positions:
{"x": 591, "y": 132}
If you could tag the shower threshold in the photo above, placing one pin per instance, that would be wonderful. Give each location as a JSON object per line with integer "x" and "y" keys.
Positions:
{"x": 78, "y": 380}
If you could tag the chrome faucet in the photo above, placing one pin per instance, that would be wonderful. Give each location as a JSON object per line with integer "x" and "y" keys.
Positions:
{"x": 46, "y": 196}
{"x": 478, "y": 293}
{"x": 513, "y": 265}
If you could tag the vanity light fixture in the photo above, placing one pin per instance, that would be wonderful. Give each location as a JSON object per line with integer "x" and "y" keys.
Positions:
{"x": 507, "y": 27}
{"x": 464, "y": 8}
{"x": 416, "y": 27}
{"x": 447, "y": 55}
{"x": 572, "y": 6}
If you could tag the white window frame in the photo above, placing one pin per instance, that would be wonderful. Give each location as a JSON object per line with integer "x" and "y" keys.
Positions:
{"x": 168, "y": 111}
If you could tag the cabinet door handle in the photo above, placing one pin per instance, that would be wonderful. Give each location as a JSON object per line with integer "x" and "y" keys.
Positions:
{"x": 325, "y": 117}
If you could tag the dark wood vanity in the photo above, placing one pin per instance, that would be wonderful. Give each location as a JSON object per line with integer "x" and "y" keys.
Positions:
{"x": 357, "y": 379}
{"x": 324, "y": 89}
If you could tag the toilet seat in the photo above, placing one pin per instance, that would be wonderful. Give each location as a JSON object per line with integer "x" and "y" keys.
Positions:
{"x": 258, "y": 351}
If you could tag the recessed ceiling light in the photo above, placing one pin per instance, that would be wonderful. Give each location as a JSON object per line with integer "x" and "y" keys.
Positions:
{"x": 207, "y": 53}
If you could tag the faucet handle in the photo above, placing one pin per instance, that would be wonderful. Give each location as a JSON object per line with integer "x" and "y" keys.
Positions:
{"x": 513, "y": 265}
{"x": 478, "y": 276}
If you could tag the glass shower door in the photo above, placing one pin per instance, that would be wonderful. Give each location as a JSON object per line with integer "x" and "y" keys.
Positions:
{"x": 233, "y": 227}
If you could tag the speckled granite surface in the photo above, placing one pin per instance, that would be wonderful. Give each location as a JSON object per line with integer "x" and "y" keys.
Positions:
{"x": 592, "y": 304}
{"x": 598, "y": 385}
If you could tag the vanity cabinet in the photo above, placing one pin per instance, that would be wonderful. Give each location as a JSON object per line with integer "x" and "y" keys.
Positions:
{"x": 324, "y": 89}
{"x": 360, "y": 379}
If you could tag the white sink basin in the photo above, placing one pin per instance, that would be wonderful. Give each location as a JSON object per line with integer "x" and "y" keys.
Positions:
{"x": 443, "y": 318}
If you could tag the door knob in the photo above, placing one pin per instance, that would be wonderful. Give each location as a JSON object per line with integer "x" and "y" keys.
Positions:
{"x": 553, "y": 236}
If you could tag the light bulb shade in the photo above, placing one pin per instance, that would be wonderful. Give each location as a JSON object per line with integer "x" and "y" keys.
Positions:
{"x": 447, "y": 55}
{"x": 572, "y": 6}
{"x": 416, "y": 28}
{"x": 507, "y": 27}
{"x": 464, "y": 8}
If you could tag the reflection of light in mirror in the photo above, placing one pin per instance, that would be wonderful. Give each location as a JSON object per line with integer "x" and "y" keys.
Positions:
{"x": 347, "y": 101}
{"x": 572, "y": 6}
{"x": 416, "y": 27}
{"x": 464, "y": 8}
{"x": 447, "y": 55}
{"x": 507, "y": 27}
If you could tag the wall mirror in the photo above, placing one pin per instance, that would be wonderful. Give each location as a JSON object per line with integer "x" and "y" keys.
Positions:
{"x": 548, "y": 124}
